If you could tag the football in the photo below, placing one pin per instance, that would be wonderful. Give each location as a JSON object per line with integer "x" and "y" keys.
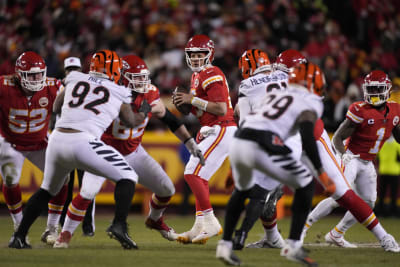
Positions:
{"x": 185, "y": 108}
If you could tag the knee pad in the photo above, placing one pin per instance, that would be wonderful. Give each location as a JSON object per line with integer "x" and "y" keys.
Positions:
{"x": 88, "y": 194}
{"x": 168, "y": 189}
{"x": 10, "y": 173}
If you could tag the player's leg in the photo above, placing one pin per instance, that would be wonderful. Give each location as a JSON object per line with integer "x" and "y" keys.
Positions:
{"x": 215, "y": 150}
{"x": 241, "y": 158}
{"x": 54, "y": 179}
{"x": 56, "y": 203}
{"x": 11, "y": 162}
{"x": 91, "y": 186}
{"x": 152, "y": 176}
{"x": 254, "y": 208}
{"x": 360, "y": 208}
{"x": 88, "y": 225}
{"x": 272, "y": 237}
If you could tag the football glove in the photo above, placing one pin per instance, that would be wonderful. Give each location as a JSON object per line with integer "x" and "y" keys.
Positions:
{"x": 195, "y": 150}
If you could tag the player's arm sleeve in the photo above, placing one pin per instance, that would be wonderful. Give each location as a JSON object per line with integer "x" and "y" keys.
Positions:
{"x": 171, "y": 120}
{"x": 396, "y": 133}
{"x": 306, "y": 122}
{"x": 58, "y": 102}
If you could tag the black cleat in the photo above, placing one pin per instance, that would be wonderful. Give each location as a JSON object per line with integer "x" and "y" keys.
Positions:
{"x": 239, "y": 239}
{"x": 119, "y": 231}
{"x": 88, "y": 230}
{"x": 271, "y": 200}
{"x": 18, "y": 243}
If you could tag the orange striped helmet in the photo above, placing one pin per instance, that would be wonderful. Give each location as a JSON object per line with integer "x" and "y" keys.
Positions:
{"x": 106, "y": 64}
{"x": 254, "y": 61}
{"x": 310, "y": 76}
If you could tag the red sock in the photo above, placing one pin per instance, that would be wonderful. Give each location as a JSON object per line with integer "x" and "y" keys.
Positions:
{"x": 269, "y": 223}
{"x": 360, "y": 210}
{"x": 200, "y": 190}
{"x": 77, "y": 208}
{"x": 56, "y": 204}
{"x": 12, "y": 196}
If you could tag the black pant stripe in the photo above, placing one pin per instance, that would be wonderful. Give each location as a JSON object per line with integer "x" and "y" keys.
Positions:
{"x": 102, "y": 152}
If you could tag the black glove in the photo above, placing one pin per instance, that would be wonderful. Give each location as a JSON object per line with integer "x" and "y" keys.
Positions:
{"x": 145, "y": 107}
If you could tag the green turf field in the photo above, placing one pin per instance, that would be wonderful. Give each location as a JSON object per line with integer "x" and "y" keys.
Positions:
{"x": 155, "y": 251}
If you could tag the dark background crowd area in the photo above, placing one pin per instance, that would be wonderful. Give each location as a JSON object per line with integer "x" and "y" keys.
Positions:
{"x": 346, "y": 38}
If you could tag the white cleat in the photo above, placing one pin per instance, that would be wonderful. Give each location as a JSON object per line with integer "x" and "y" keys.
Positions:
{"x": 389, "y": 244}
{"x": 63, "y": 240}
{"x": 50, "y": 235}
{"x": 187, "y": 237}
{"x": 338, "y": 241}
{"x": 211, "y": 228}
{"x": 225, "y": 254}
{"x": 297, "y": 254}
{"x": 265, "y": 243}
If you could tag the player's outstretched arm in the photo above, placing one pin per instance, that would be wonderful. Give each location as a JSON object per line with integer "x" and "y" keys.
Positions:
{"x": 129, "y": 118}
{"x": 58, "y": 102}
{"x": 345, "y": 130}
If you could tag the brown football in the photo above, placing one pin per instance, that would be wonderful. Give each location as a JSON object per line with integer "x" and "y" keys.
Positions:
{"x": 185, "y": 108}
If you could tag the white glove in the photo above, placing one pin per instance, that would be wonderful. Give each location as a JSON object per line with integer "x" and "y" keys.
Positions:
{"x": 207, "y": 130}
{"x": 346, "y": 158}
{"x": 195, "y": 150}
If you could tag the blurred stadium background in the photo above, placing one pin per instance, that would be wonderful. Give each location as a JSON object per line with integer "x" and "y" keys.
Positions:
{"x": 346, "y": 38}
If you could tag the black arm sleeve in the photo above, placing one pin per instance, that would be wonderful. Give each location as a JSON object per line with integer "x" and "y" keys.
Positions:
{"x": 309, "y": 144}
{"x": 171, "y": 120}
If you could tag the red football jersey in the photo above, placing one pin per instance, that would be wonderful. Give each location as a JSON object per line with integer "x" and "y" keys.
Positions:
{"x": 124, "y": 139}
{"x": 210, "y": 84}
{"x": 373, "y": 129}
{"x": 25, "y": 120}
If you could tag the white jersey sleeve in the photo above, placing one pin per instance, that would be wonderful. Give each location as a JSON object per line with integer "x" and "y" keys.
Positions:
{"x": 253, "y": 89}
{"x": 279, "y": 110}
{"x": 91, "y": 103}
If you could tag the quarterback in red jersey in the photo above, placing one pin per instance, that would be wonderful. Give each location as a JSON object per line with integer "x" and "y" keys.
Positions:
{"x": 128, "y": 142}
{"x": 26, "y": 101}
{"x": 209, "y": 97}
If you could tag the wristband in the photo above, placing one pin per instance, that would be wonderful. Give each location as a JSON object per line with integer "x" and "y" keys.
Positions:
{"x": 199, "y": 103}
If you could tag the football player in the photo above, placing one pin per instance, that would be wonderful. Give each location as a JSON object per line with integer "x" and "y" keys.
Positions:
{"x": 260, "y": 144}
{"x": 89, "y": 103}
{"x": 259, "y": 79}
{"x": 368, "y": 125}
{"x": 128, "y": 142}
{"x": 209, "y": 97}
{"x": 26, "y": 101}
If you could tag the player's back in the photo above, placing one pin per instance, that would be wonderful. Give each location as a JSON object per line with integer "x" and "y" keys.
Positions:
{"x": 91, "y": 103}
{"x": 279, "y": 110}
{"x": 253, "y": 89}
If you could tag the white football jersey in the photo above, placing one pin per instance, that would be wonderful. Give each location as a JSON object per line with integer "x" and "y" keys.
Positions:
{"x": 253, "y": 89}
{"x": 91, "y": 103}
{"x": 278, "y": 110}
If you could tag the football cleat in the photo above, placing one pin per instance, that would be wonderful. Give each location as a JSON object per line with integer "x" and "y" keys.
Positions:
{"x": 159, "y": 225}
{"x": 265, "y": 243}
{"x": 50, "y": 235}
{"x": 18, "y": 242}
{"x": 211, "y": 228}
{"x": 119, "y": 231}
{"x": 188, "y": 236}
{"x": 87, "y": 230}
{"x": 26, "y": 237}
{"x": 389, "y": 244}
{"x": 299, "y": 254}
{"x": 63, "y": 240}
{"x": 339, "y": 241}
{"x": 239, "y": 239}
{"x": 225, "y": 254}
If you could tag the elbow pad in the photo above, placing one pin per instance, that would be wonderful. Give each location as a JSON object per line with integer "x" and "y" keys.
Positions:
{"x": 171, "y": 120}
{"x": 309, "y": 143}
